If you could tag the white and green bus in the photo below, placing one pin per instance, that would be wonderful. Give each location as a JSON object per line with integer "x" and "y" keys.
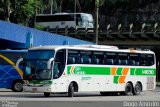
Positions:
{"x": 86, "y": 68}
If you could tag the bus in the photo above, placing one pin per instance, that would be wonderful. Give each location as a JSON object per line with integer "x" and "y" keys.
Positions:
{"x": 62, "y": 20}
{"x": 86, "y": 68}
{"x": 11, "y": 77}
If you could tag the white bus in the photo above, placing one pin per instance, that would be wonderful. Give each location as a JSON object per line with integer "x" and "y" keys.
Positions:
{"x": 61, "y": 20}
{"x": 86, "y": 68}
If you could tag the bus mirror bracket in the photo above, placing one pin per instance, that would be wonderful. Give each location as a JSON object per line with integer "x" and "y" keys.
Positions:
{"x": 18, "y": 62}
{"x": 49, "y": 63}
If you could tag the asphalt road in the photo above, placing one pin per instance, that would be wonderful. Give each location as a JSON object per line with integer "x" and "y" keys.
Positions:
{"x": 92, "y": 99}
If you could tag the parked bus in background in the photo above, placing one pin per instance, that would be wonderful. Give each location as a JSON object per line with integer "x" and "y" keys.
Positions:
{"x": 10, "y": 75}
{"x": 86, "y": 68}
{"x": 61, "y": 20}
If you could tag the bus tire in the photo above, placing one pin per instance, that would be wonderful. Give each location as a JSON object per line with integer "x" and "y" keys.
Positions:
{"x": 137, "y": 89}
{"x": 17, "y": 86}
{"x": 128, "y": 89}
{"x": 71, "y": 90}
{"x": 47, "y": 94}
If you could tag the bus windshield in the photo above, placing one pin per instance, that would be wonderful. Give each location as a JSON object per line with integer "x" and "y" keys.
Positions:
{"x": 87, "y": 20}
{"x": 36, "y": 65}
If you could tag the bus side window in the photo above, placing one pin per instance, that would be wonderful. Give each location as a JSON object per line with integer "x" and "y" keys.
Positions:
{"x": 109, "y": 62}
{"x": 150, "y": 60}
{"x": 95, "y": 60}
{"x": 143, "y": 60}
{"x": 122, "y": 59}
{"x": 85, "y": 57}
{"x": 73, "y": 57}
{"x": 110, "y": 58}
{"x": 134, "y": 59}
{"x": 71, "y": 60}
{"x": 98, "y": 58}
{"x": 132, "y": 62}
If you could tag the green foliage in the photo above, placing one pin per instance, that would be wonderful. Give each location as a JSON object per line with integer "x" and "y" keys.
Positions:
{"x": 39, "y": 27}
{"x": 28, "y": 9}
{"x": 19, "y": 11}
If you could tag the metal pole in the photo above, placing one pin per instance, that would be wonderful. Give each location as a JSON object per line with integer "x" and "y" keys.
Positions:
{"x": 51, "y": 6}
{"x": 96, "y": 25}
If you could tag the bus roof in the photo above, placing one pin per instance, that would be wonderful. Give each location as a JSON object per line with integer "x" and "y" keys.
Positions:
{"x": 90, "y": 47}
{"x": 59, "y": 14}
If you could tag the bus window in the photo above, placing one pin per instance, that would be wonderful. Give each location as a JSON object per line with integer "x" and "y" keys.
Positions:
{"x": 111, "y": 59}
{"x": 122, "y": 59}
{"x": 12, "y": 56}
{"x": 98, "y": 57}
{"x": 134, "y": 59}
{"x": 85, "y": 57}
{"x": 150, "y": 60}
{"x": 73, "y": 57}
{"x": 143, "y": 60}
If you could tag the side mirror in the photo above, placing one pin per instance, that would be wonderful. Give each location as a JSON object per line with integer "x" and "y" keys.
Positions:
{"x": 18, "y": 62}
{"x": 49, "y": 63}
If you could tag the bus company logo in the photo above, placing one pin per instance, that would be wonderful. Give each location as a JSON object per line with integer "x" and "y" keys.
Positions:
{"x": 79, "y": 71}
{"x": 148, "y": 72}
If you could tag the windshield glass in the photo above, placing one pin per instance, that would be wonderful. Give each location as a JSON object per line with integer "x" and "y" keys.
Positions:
{"x": 87, "y": 20}
{"x": 36, "y": 65}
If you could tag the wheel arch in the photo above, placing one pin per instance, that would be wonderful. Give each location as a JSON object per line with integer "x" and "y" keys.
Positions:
{"x": 14, "y": 81}
{"x": 75, "y": 85}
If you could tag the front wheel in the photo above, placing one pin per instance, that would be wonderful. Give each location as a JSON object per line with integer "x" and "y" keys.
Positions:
{"x": 137, "y": 89}
{"x": 71, "y": 90}
{"x": 17, "y": 86}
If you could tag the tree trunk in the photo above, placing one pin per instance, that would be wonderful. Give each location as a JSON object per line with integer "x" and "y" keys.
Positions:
{"x": 8, "y": 10}
{"x": 96, "y": 21}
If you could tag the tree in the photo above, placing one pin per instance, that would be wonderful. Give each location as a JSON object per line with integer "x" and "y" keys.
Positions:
{"x": 98, "y": 3}
{"x": 5, "y": 8}
{"x": 18, "y": 11}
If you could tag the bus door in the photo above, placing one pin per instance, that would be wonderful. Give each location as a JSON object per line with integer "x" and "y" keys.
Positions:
{"x": 58, "y": 71}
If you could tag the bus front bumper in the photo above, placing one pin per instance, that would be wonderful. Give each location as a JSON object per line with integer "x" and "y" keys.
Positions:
{"x": 35, "y": 89}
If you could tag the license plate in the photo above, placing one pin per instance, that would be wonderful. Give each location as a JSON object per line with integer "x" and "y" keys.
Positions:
{"x": 34, "y": 89}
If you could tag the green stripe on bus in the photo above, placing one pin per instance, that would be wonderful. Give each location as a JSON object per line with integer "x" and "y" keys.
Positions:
{"x": 115, "y": 80}
{"x": 119, "y": 71}
{"x": 68, "y": 69}
{"x": 90, "y": 70}
{"x": 144, "y": 71}
{"x": 132, "y": 71}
